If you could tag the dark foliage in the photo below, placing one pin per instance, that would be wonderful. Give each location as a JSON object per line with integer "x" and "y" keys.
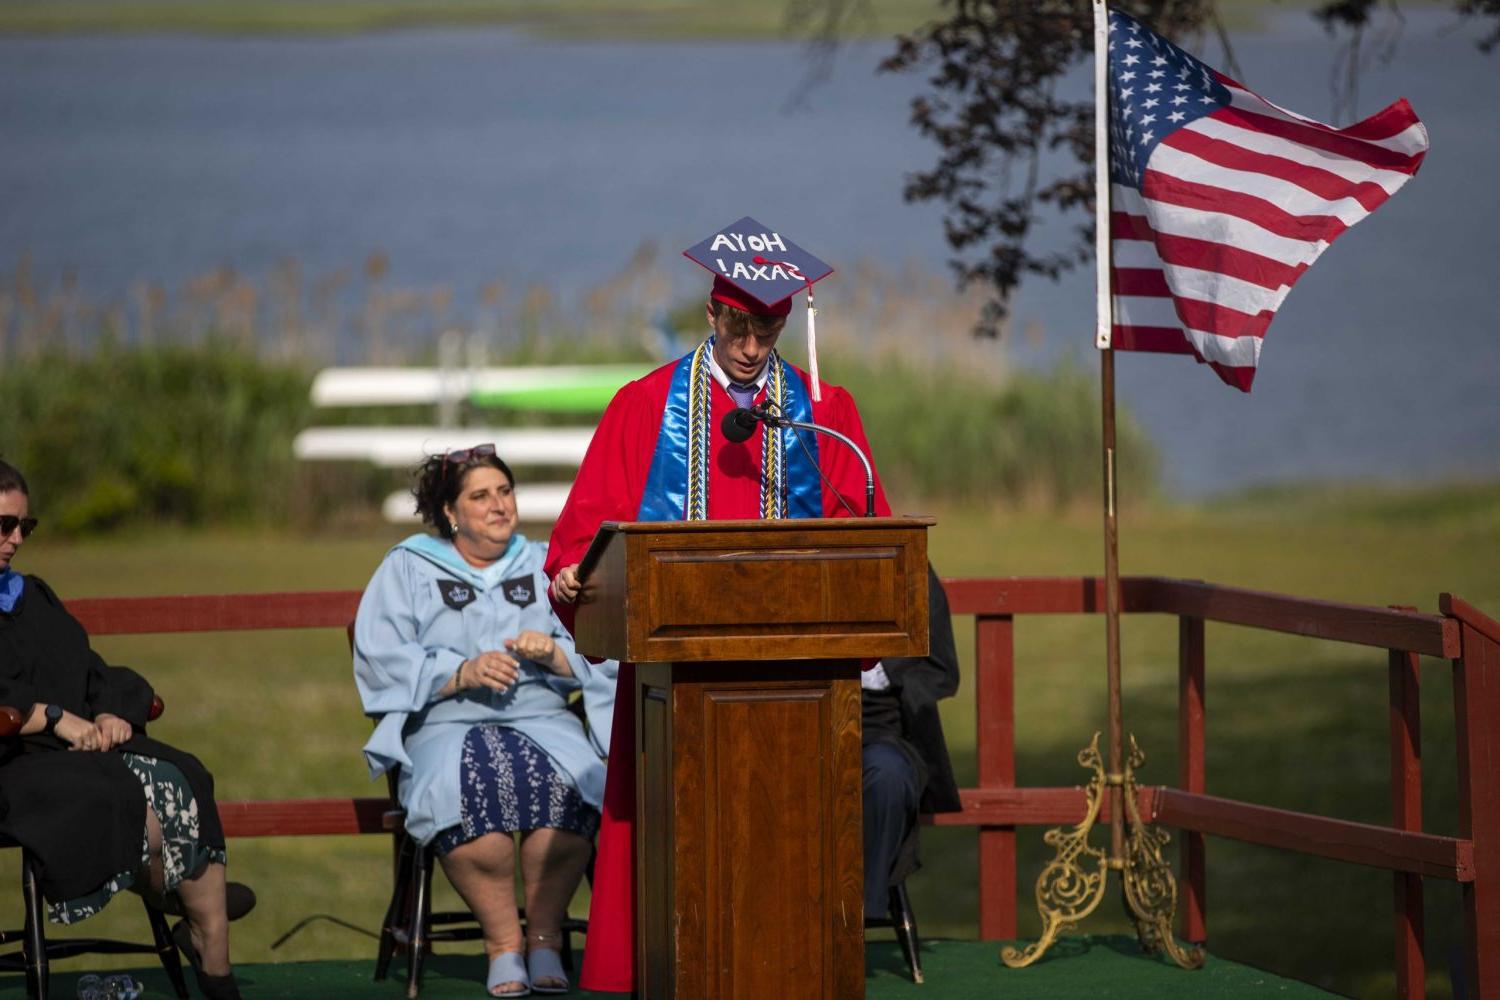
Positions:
{"x": 995, "y": 112}
{"x": 994, "y": 69}
{"x": 1355, "y": 15}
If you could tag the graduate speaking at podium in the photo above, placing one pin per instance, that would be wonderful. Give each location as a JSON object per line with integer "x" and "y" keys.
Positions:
{"x": 660, "y": 453}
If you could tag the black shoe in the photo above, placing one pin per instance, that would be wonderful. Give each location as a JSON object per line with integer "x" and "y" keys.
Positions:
{"x": 213, "y": 987}
{"x": 239, "y": 899}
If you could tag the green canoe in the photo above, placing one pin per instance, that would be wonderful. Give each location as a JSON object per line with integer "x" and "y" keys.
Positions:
{"x": 579, "y": 390}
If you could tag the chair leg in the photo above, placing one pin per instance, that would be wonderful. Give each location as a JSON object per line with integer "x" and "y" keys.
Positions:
{"x": 34, "y": 945}
{"x": 421, "y": 913}
{"x": 401, "y": 876}
{"x": 905, "y": 923}
{"x": 166, "y": 950}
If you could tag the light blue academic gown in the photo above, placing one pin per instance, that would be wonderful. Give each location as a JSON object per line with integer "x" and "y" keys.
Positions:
{"x": 424, "y": 612}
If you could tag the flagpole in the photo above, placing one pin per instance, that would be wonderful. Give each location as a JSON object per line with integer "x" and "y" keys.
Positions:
{"x": 1157, "y": 191}
{"x": 1112, "y": 616}
{"x": 1103, "y": 328}
{"x": 1073, "y": 884}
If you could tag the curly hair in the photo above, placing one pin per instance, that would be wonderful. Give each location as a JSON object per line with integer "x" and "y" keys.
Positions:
{"x": 11, "y": 479}
{"x": 439, "y": 481}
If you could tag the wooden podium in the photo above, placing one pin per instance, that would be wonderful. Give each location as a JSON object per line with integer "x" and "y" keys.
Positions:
{"x": 747, "y": 637}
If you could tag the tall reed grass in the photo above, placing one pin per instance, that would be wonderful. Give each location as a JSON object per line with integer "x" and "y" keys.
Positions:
{"x": 1031, "y": 440}
{"x": 183, "y": 407}
{"x": 182, "y": 434}
{"x": 362, "y": 314}
{"x": 196, "y": 435}
{"x": 366, "y": 314}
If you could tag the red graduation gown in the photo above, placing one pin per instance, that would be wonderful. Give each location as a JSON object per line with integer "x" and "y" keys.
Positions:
{"x": 609, "y": 487}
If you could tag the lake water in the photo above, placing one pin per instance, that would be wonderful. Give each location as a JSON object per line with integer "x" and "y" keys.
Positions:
{"x": 474, "y": 155}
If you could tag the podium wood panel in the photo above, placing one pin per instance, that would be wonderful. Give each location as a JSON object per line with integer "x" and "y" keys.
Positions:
{"x": 747, "y": 637}
{"x": 749, "y": 842}
{"x": 663, "y": 592}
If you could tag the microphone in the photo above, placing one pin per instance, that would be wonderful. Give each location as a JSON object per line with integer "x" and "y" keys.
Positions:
{"x": 738, "y": 424}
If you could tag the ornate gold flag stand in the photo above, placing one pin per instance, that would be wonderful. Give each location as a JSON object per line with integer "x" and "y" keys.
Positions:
{"x": 1073, "y": 884}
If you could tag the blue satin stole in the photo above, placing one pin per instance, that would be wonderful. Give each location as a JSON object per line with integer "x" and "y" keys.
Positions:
{"x": 667, "y": 484}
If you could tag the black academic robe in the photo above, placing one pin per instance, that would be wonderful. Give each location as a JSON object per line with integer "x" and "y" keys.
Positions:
{"x": 906, "y": 714}
{"x": 81, "y": 813}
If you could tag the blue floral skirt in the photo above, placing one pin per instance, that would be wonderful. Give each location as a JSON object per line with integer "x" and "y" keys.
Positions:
{"x": 182, "y": 855}
{"x": 508, "y": 783}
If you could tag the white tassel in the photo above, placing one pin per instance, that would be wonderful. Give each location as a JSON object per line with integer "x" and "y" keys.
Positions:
{"x": 812, "y": 347}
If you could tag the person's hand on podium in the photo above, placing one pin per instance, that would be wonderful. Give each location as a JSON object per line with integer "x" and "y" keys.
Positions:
{"x": 566, "y": 585}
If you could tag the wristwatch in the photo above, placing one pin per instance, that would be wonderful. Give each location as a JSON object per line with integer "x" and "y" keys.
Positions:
{"x": 54, "y": 715}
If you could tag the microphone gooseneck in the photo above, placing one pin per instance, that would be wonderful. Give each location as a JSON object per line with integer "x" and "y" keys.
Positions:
{"x": 738, "y": 424}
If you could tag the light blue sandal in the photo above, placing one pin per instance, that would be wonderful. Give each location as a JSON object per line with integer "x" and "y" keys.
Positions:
{"x": 546, "y": 963}
{"x": 508, "y": 967}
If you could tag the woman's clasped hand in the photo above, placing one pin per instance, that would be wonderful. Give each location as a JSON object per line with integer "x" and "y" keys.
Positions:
{"x": 105, "y": 733}
{"x": 491, "y": 669}
{"x": 500, "y": 671}
{"x": 540, "y": 648}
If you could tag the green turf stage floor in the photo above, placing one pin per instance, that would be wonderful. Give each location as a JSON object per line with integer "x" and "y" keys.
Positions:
{"x": 1082, "y": 967}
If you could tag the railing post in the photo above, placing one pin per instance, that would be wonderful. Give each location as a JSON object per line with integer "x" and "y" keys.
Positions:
{"x": 995, "y": 709}
{"x": 1406, "y": 814}
{"x": 1476, "y": 710}
{"x": 1191, "y": 773}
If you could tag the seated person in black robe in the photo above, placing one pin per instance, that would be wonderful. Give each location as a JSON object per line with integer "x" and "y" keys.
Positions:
{"x": 906, "y": 767}
{"x": 76, "y": 782}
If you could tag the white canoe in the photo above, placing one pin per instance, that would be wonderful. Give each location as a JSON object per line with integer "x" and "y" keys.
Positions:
{"x": 535, "y": 502}
{"x": 397, "y": 447}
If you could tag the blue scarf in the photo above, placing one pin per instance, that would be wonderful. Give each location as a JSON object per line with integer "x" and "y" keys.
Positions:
{"x": 11, "y": 584}
{"x": 677, "y": 485}
{"x": 442, "y": 552}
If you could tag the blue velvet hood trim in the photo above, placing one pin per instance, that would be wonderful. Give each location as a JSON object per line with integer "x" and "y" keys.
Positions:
{"x": 441, "y": 552}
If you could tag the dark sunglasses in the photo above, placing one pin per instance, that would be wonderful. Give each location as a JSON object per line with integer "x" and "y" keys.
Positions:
{"x": 463, "y": 455}
{"x": 10, "y": 522}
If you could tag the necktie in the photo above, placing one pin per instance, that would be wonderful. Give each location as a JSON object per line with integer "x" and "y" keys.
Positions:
{"x": 743, "y": 395}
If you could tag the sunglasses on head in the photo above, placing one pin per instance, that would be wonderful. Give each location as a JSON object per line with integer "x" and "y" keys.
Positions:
{"x": 10, "y": 522}
{"x": 463, "y": 455}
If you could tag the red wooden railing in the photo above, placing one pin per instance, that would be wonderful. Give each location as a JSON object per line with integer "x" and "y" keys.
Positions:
{"x": 997, "y": 805}
{"x": 1460, "y": 634}
{"x": 248, "y": 612}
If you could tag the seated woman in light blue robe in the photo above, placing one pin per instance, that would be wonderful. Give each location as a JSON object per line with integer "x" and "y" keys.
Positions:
{"x": 467, "y": 672}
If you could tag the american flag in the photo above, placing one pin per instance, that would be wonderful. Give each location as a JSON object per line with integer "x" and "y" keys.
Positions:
{"x": 1220, "y": 200}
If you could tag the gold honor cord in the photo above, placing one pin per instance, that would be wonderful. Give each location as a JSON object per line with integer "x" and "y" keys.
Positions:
{"x": 699, "y": 444}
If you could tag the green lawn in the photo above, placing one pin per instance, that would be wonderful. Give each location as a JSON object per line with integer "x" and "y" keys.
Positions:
{"x": 625, "y": 19}
{"x": 1293, "y": 723}
{"x": 616, "y": 19}
{"x": 1087, "y": 967}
